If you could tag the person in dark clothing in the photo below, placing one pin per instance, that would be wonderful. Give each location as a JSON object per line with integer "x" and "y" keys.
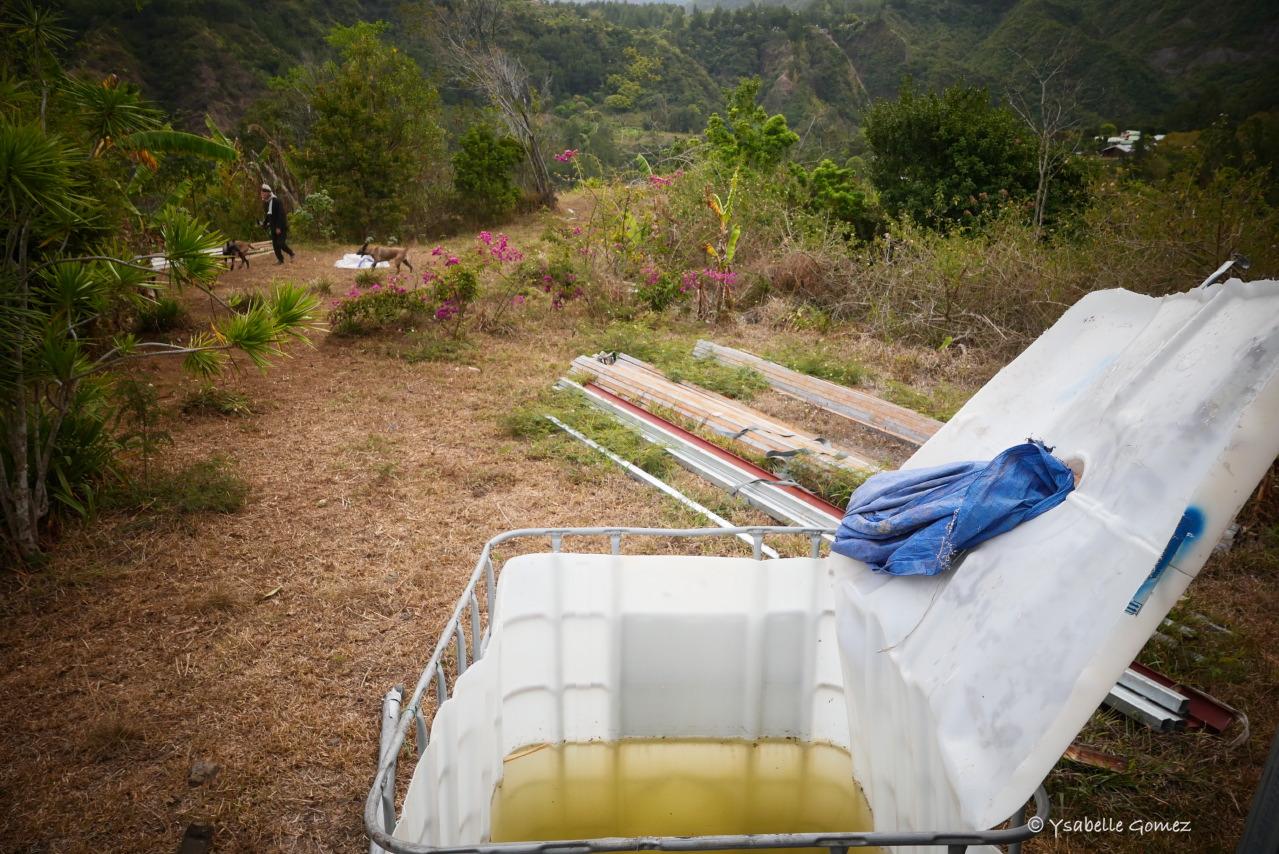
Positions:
{"x": 277, "y": 223}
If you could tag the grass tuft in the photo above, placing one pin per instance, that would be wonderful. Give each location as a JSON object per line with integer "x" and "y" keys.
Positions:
{"x": 163, "y": 315}
{"x": 207, "y": 486}
{"x": 210, "y": 400}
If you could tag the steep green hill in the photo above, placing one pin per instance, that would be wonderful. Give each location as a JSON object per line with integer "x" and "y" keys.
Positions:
{"x": 1171, "y": 62}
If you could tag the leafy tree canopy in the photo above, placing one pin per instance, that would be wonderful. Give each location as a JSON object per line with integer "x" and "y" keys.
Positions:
{"x": 750, "y": 137}
{"x": 944, "y": 159}
{"x": 375, "y": 144}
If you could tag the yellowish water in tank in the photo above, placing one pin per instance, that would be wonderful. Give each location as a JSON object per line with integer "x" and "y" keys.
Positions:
{"x": 676, "y": 787}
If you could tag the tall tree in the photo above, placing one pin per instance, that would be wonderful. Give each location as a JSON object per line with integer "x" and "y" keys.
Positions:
{"x": 945, "y": 159}
{"x": 1048, "y": 104}
{"x": 470, "y": 31}
{"x": 65, "y": 282}
{"x": 375, "y": 143}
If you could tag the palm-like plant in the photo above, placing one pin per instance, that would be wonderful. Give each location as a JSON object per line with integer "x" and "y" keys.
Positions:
{"x": 60, "y": 282}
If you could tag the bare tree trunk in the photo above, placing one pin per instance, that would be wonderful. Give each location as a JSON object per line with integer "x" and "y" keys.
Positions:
{"x": 471, "y": 30}
{"x": 1049, "y": 111}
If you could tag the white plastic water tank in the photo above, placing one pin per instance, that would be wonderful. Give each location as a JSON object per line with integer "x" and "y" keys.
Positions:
{"x": 588, "y": 647}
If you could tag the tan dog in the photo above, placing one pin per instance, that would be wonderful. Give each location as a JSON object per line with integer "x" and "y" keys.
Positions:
{"x": 396, "y": 255}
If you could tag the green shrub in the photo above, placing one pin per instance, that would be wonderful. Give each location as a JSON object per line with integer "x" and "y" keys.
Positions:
{"x": 378, "y": 309}
{"x": 314, "y": 220}
{"x": 162, "y": 315}
{"x": 218, "y": 401}
{"x": 483, "y": 173}
{"x": 368, "y": 278}
{"x": 660, "y": 291}
{"x": 206, "y": 486}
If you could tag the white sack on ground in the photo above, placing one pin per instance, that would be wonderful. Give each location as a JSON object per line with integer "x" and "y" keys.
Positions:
{"x": 964, "y": 689}
{"x": 352, "y": 261}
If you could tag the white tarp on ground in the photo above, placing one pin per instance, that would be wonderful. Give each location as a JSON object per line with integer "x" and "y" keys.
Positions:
{"x": 353, "y": 261}
{"x": 964, "y": 689}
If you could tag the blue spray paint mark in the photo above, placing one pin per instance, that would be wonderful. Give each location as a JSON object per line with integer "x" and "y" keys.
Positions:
{"x": 1188, "y": 530}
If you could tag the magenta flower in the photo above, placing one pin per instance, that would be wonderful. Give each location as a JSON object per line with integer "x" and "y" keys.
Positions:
{"x": 569, "y": 154}
{"x": 484, "y": 237}
{"x": 439, "y": 250}
{"x": 452, "y": 260}
{"x": 518, "y": 299}
{"x": 354, "y": 292}
{"x": 577, "y": 229}
{"x": 659, "y": 181}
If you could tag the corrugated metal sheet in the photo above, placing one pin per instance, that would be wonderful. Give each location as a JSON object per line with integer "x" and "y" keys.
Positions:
{"x": 864, "y": 409}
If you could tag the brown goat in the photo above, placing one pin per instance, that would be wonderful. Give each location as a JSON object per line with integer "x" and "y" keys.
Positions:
{"x": 396, "y": 255}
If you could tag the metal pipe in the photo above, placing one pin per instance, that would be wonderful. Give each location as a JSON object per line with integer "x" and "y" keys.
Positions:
{"x": 658, "y": 484}
{"x": 390, "y": 715}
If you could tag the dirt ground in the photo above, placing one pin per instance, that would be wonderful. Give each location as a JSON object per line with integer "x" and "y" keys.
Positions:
{"x": 263, "y": 640}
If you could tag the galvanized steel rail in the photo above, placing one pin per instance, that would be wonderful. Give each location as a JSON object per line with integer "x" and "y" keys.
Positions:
{"x": 867, "y": 410}
{"x": 379, "y": 806}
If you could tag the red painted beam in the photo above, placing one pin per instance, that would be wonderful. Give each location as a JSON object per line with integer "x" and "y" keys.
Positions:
{"x": 746, "y": 465}
{"x": 1203, "y": 710}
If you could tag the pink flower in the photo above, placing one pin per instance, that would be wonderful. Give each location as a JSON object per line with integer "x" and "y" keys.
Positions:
{"x": 354, "y": 292}
{"x": 439, "y": 250}
{"x": 518, "y": 299}
{"x": 651, "y": 275}
{"x": 485, "y": 238}
{"x": 577, "y": 229}
{"x": 659, "y": 181}
{"x": 569, "y": 154}
{"x": 452, "y": 260}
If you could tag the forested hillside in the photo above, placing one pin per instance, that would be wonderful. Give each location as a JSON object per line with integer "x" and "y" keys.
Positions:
{"x": 1172, "y": 65}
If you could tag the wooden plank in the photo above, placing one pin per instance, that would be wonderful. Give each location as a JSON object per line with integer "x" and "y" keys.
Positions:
{"x": 639, "y": 382}
{"x": 857, "y": 406}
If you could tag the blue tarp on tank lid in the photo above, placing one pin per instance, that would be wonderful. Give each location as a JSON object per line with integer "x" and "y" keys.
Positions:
{"x": 914, "y": 522}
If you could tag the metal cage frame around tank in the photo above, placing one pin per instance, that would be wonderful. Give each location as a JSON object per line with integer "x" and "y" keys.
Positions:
{"x": 467, "y": 620}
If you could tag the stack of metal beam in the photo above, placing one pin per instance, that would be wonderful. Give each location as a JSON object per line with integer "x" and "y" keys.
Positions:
{"x": 758, "y": 487}
{"x": 1143, "y": 699}
{"x": 641, "y": 383}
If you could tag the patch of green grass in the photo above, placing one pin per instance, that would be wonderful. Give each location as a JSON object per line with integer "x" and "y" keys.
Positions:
{"x": 674, "y": 358}
{"x": 211, "y": 400}
{"x": 940, "y": 402}
{"x": 820, "y": 362}
{"x": 207, "y": 486}
{"x": 548, "y": 441}
{"x": 162, "y": 315}
{"x": 246, "y": 300}
{"x": 737, "y": 383}
{"x": 834, "y": 483}
{"x": 369, "y": 277}
{"x": 322, "y": 286}
{"x": 434, "y": 348}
